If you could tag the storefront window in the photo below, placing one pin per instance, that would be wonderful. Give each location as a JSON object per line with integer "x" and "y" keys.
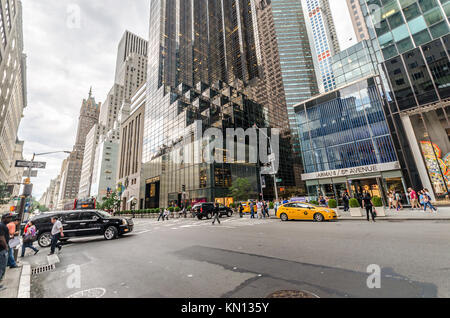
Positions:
{"x": 432, "y": 130}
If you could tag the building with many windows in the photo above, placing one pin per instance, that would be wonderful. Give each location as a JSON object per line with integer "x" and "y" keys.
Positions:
{"x": 13, "y": 91}
{"x": 203, "y": 67}
{"x": 411, "y": 39}
{"x": 324, "y": 41}
{"x": 130, "y": 152}
{"x": 346, "y": 143}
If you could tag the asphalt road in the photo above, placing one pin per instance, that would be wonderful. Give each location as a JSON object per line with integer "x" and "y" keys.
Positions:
{"x": 247, "y": 258}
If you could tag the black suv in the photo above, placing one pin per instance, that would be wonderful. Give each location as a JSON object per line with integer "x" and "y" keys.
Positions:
{"x": 81, "y": 224}
{"x": 202, "y": 210}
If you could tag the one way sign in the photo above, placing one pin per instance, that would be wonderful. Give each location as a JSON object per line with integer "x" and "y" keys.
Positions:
{"x": 28, "y": 164}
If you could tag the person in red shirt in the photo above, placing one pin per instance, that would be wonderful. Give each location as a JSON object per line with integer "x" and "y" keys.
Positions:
{"x": 414, "y": 199}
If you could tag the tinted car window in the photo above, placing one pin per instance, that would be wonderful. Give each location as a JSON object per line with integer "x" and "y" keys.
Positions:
{"x": 75, "y": 216}
{"x": 89, "y": 216}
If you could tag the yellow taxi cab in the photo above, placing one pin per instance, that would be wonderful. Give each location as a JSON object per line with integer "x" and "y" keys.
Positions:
{"x": 246, "y": 206}
{"x": 305, "y": 211}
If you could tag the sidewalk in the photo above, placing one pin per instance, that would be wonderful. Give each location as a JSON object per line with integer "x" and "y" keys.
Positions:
{"x": 443, "y": 213}
{"x": 11, "y": 282}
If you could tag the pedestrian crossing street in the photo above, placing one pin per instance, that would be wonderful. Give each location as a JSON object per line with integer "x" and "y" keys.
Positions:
{"x": 142, "y": 226}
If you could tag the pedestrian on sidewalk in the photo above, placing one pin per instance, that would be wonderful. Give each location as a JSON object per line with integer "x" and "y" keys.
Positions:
{"x": 241, "y": 210}
{"x": 13, "y": 240}
{"x": 166, "y": 214}
{"x": 427, "y": 201}
{"x": 259, "y": 207}
{"x": 346, "y": 200}
{"x": 216, "y": 212}
{"x": 398, "y": 201}
{"x": 413, "y": 198}
{"x": 391, "y": 200}
{"x": 57, "y": 234}
{"x": 252, "y": 210}
{"x": 161, "y": 214}
{"x": 4, "y": 246}
{"x": 28, "y": 238}
{"x": 368, "y": 205}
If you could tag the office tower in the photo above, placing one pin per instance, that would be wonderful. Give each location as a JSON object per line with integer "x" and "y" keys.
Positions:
{"x": 91, "y": 144}
{"x": 105, "y": 165}
{"x": 412, "y": 43}
{"x": 359, "y": 24}
{"x": 131, "y": 48}
{"x": 202, "y": 70}
{"x": 13, "y": 90}
{"x": 130, "y": 151}
{"x": 287, "y": 73}
{"x": 72, "y": 166}
{"x": 325, "y": 44}
{"x": 130, "y": 74}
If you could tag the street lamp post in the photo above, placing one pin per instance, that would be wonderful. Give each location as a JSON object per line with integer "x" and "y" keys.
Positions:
{"x": 272, "y": 162}
{"x": 24, "y": 196}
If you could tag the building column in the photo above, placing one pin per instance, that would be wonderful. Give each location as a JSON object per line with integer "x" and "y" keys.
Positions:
{"x": 417, "y": 154}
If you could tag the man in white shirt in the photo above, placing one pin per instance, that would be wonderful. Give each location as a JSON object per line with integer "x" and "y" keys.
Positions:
{"x": 57, "y": 234}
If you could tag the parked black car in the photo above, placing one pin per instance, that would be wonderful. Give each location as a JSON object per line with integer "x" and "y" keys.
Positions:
{"x": 81, "y": 224}
{"x": 202, "y": 210}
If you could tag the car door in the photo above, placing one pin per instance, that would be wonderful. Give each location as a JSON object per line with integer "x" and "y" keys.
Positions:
{"x": 70, "y": 222}
{"x": 290, "y": 210}
{"x": 304, "y": 211}
{"x": 91, "y": 223}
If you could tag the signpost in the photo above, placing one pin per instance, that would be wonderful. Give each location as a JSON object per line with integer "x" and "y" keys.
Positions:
{"x": 30, "y": 164}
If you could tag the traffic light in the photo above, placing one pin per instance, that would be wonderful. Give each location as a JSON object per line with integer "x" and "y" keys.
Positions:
{"x": 27, "y": 181}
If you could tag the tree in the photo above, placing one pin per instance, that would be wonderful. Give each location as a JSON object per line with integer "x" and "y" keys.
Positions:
{"x": 241, "y": 190}
{"x": 110, "y": 203}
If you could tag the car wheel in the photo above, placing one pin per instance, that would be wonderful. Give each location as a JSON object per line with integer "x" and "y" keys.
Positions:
{"x": 318, "y": 217}
{"x": 209, "y": 216}
{"x": 284, "y": 217}
{"x": 200, "y": 217}
{"x": 229, "y": 214}
{"x": 45, "y": 240}
{"x": 111, "y": 233}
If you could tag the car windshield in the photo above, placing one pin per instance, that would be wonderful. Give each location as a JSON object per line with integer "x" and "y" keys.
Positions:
{"x": 104, "y": 214}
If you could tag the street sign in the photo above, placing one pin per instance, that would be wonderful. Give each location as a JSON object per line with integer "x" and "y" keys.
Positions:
{"x": 279, "y": 180}
{"x": 34, "y": 174}
{"x": 28, "y": 164}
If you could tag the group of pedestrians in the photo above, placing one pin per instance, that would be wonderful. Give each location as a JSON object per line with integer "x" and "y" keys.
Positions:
{"x": 10, "y": 239}
{"x": 164, "y": 214}
{"x": 421, "y": 200}
{"x": 262, "y": 210}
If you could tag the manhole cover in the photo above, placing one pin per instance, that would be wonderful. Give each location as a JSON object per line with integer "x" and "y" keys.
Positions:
{"x": 292, "y": 294}
{"x": 42, "y": 269}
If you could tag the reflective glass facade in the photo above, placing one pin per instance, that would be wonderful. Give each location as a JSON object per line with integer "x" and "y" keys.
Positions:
{"x": 356, "y": 62}
{"x": 401, "y": 25}
{"x": 202, "y": 65}
{"x": 345, "y": 128}
{"x": 297, "y": 66}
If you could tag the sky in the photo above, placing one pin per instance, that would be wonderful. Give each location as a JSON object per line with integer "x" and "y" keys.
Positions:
{"x": 71, "y": 45}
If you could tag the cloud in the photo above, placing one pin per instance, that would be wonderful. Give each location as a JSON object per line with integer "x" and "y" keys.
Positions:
{"x": 63, "y": 61}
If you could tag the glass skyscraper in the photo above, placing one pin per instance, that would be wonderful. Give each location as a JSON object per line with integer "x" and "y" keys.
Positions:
{"x": 202, "y": 69}
{"x": 412, "y": 39}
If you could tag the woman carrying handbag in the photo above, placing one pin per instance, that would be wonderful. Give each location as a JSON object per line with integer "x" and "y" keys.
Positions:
{"x": 28, "y": 238}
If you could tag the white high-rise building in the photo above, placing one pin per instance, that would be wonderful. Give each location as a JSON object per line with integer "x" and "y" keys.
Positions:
{"x": 324, "y": 41}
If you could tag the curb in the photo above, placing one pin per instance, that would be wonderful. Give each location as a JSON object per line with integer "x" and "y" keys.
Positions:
{"x": 25, "y": 282}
